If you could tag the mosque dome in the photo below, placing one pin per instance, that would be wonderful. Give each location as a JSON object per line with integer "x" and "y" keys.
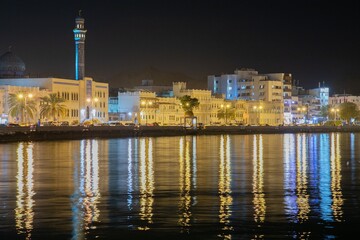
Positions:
{"x": 11, "y": 66}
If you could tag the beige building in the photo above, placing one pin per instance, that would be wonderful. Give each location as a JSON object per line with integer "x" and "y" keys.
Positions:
{"x": 84, "y": 99}
{"x": 145, "y": 108}
{"x": 265, "y": 113}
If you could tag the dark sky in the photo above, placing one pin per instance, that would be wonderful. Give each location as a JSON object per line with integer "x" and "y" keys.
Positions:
{"x": 313, "y": 40}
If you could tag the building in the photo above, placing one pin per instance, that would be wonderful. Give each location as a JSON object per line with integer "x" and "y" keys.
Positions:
{"x": 338, "y": 99}
{"x": 144, "y": 108}
{"x": 85, "y": 99}
{"x": 310, "y": 103}
{"x": 248, "y": 84}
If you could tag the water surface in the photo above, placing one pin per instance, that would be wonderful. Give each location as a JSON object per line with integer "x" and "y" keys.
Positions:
{"x": 301, "y": 186}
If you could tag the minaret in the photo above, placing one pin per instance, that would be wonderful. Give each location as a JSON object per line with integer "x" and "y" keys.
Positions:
{"x": 79, "y": 37}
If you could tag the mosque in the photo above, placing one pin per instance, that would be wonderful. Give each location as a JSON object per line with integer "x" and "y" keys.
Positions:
{"x": 84, "y": 97}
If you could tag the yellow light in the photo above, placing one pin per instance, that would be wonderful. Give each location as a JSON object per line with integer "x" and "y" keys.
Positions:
{"x": 88, "y": 100}
{"x": 96, "y": 99}
{"x": 20, "y": 96}
{"x": 255, "y": 107}
{"x": 222, "y": 105}
{"x": 260, "y": 107}
{"x": 304, "y": 108}
{"x": 30, "y": 95}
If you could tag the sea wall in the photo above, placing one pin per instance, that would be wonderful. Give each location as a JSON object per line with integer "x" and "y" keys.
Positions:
{"x": 47, "y": 133}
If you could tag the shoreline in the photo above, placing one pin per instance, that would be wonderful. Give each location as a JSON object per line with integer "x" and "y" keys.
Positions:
{"x": 48, "y": 133}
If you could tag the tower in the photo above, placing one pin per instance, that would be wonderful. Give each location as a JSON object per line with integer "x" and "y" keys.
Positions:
{"x": 79, "y": 37}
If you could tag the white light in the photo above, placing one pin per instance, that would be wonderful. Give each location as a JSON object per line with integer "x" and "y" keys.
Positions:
{"x": 129, "y": 113}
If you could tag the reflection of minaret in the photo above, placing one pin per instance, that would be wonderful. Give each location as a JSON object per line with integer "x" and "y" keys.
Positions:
{"x": 79, "y": 37}
{"x": 86, "y": 196}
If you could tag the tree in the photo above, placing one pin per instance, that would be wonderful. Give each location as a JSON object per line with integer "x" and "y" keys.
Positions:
{"x": 324, "y": 111}
{"x": 226, "y": 113}
{"x": 21, "y": 105}
{"x": 52, "y": 106}
{"x": 188, "y": 104}
{"x": 348, "y": 111}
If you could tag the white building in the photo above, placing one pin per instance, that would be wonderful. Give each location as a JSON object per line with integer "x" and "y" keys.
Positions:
{"x": 248, "y": 84}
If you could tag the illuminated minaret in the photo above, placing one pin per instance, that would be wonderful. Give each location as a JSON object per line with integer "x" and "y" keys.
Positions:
{"x": 79, "y": 37}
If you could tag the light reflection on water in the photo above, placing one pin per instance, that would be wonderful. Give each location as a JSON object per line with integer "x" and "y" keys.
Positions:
{"x": 224, "y": 186}
{"x": 24, "y": 212}
{"x": 86, "y": 193}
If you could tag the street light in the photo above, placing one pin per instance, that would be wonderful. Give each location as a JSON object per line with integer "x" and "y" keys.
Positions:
{"x": 335, "y": 110}
{"x": 227, "y": 106}
{"x": 146, "y": 103}
{"x": 258, "y": 109}
{"x": 25, "y": 97}
{"x": 93, "y": 110}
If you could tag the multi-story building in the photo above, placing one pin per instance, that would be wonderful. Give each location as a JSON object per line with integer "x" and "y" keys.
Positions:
{"x": 310, "y": 103}
{"x": 248, "y": 84}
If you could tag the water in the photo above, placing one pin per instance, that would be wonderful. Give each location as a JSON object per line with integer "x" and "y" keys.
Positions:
{"x": 301, "y": 186}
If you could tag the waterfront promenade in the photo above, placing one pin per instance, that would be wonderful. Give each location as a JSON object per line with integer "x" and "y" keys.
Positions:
{"x": 9, "y": 134}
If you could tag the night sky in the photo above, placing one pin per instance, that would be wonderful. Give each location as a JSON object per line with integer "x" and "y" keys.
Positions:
{"x": 316, "y": 41}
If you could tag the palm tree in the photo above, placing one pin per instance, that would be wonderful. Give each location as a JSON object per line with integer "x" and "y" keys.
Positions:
{"x": 226, "y": 113}
{"x": 52, "y": 106}
{"x": 188, "y": 104}
{"x": 21, "y": 105}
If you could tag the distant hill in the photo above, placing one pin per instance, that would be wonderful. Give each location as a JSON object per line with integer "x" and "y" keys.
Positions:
{"x": 131, "y": 78}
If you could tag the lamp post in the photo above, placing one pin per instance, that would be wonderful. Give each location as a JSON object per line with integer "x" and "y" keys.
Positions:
{"x": 335, "y": 110}
{"x": 226, "y": 107}
{"x": 91, "y": 101}
{"x": 25, "y": 97}
{"x": 146, "y": 103}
